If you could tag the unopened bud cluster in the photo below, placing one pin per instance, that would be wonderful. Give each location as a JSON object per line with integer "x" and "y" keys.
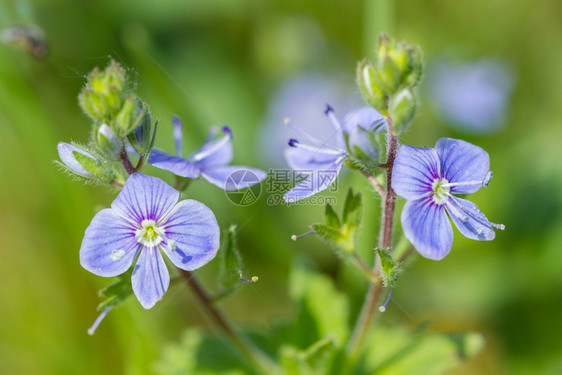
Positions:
{"x": 121, "y": 123}
{"x": 388, "y": 82}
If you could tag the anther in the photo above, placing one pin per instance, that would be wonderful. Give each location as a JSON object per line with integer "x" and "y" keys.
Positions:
{"x": 293, "y": 142}
{"x": 383, "y": 307}
{"x": 252, "y": 280}
{"x": 96, "y": 324}
{"x": 294, "y": 237}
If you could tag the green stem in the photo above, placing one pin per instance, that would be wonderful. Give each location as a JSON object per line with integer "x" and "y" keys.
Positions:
{"x": 261, "y": 363}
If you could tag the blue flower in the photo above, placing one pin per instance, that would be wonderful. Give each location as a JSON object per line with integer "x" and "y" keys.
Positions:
{"x": 427, "y": 178}
{"x": 473, "y": 97}
{"x": 144, "y": 220}
{"x": 210, "y": 161}
{"x": 319, "y": 162}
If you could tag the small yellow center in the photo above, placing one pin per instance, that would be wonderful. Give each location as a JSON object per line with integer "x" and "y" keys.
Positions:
{"x": 440, "y": 190}
{"x": 149, "y": 234}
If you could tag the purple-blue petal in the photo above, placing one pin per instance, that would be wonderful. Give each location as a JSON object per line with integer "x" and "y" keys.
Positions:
{"x": 219, "y": 152}
{"x": 178, "y": 134}
{"x": 427, "y": 227}
{"x": 175, "y": 164}
{"x": 366, "y": 117}
{"x": 192, "y": 235}
{"x": 302, "y": 160}
{"x": 233, "y": 177}
{"x": 66, "y": 154}
{"x": 462, "y": 162}
{"x": 360, "y": 138}
{"x": 109, "y": 245}
{"x": 150, "y": 278}
{"x": 315, "y": 182}
{"x": 469, "y": 220}
{"x": 414, "y": 171}
{"x": 144, "y": 197}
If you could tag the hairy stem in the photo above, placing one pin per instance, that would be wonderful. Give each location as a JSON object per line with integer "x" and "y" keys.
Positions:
{"x": 126, "y": 161}
{"x": 369, "y": 309}
{"x": 261, "y": 363}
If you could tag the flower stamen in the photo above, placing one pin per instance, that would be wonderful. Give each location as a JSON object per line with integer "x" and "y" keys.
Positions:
{"x": 441, "y": 189}
{"x": 149, "y": 234}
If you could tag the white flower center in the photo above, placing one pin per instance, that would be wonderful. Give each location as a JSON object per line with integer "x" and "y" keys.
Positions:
{"x": 441, "y": 189}
{"x": 149, "y": 234}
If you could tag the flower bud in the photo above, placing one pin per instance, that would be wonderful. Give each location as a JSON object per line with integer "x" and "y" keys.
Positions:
{"x": 104, "y": 92}
{"x": 82, "y": 163}
{"x": 128, "y": 117}
{"x": 402, "y": 109}
{"x": 369, "y": 87}
{"x": 107, "y": 142}
{"x": 397, "y": 66}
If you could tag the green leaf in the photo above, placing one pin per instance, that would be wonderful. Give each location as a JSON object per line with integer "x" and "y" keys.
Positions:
{"x": 231, "y": 261}
{"x": 352, "y": 210}
{"x": 116, "y": 292}
{"x": 332, "y": 219}
{"x": 334, "y": 237}
{"x": 323, "y": 312}
{"x": 394, "y": 350}
{"x": 199, "y": 354}
{"x": 389, "y": 267}
{"x": 316, "y": 360}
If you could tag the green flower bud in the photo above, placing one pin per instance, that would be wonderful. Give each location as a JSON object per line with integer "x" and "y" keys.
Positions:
{"x": 402, "y": 109}
{"x": 126, "y": 119}
{"x": 368, "y": 83}
{"x": 416, "y": 63}
{"x": 104, "y": 92}
{"x": 396, "y": 66}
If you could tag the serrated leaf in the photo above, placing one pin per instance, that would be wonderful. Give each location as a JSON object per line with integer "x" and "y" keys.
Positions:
{"x": 116, "y": 292}
{"x": 332, "y": 219}
{"x": 389, "y": 267}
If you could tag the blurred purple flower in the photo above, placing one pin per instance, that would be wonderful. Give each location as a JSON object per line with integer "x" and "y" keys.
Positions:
{"x": 210, "y": 161}
{"x": 472, "y": 97}
{"x": 427, "y": 178}
{"x": 319, "y": 162}
{"x": 146, "y": 218}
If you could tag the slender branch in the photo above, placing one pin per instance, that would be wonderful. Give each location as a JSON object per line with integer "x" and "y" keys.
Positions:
{"x": 373, "y": 181}
{"x": 117, "y": 183}
{"x": 369, "y": 309}
{"x": 365, "y": 269}
{"x": 140, "y": 163}
{"x": 260, "y": 361}
{"x": 126, "y": 161}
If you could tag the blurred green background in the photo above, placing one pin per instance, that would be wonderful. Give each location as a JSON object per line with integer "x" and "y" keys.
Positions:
{"x": 221, "y": 61}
